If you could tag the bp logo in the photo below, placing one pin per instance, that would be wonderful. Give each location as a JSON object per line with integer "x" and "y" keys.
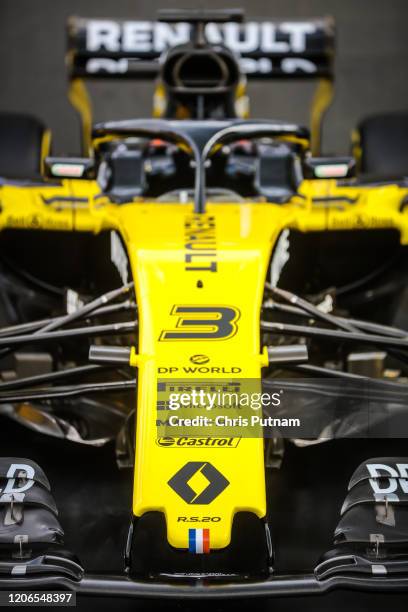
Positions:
{"x": 183, "y": 483}
{"x": 199, "y": 359}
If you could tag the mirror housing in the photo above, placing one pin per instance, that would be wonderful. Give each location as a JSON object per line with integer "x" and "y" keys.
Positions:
{"x": 69, "y": 168}
{"x": 316, "y": 168}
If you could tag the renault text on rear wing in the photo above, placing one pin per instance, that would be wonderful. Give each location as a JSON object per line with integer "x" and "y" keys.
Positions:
{"x": 108, "y": 48}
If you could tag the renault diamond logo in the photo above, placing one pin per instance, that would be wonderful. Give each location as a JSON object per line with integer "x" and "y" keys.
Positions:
{"x": 216, "y": 482}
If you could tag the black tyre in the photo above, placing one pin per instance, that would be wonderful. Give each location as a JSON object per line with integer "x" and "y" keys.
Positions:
{"x": 24, "y": 140}
{"x": 382, "y": 145}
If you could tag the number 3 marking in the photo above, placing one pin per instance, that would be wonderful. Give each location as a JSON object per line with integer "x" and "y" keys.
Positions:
{"x": 203, "y": 323}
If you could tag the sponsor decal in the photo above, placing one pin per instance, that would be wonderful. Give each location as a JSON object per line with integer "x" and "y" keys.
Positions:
{"x": 199, "y": 369}
{"x": 346, "y": 221}
{"x": 203, "y": 323}
{"x": 154, "y": 37}
{"x": 279, "y": 48}
{"x": 193, "y": 442}
{"x": 50, "y": 221}
{"x": 249, "y": 65}
{"x": 199, "y": 541}
{"x": 200, "y": 247}
{"x": 180, "y": 483}
{"x": 385, "y": 480}
{"x": 200, "y": 359}
{"x": 18, "y": 471}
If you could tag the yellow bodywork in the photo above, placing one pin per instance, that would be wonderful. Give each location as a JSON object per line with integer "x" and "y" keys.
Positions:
{"x": 219, "y": 258}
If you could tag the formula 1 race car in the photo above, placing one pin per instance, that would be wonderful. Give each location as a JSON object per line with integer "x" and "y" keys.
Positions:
{"x": 216, "y": 297}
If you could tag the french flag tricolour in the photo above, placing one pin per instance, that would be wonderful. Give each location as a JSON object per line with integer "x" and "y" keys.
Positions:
{"x": 199, "y": 541}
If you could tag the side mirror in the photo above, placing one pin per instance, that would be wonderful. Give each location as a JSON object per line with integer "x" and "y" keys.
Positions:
{"x": 329, "y": 167}
{"x": 69, "y": 167}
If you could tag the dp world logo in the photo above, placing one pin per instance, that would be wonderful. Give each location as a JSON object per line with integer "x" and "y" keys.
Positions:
{"x": 183, "y": 483}
{"x": 199, "y": 359}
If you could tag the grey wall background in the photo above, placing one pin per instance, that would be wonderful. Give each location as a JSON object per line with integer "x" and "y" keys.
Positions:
{"x": 371, "y": 70}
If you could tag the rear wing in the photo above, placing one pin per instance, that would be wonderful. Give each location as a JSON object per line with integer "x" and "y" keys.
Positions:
{"x": 117, "y": 49}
